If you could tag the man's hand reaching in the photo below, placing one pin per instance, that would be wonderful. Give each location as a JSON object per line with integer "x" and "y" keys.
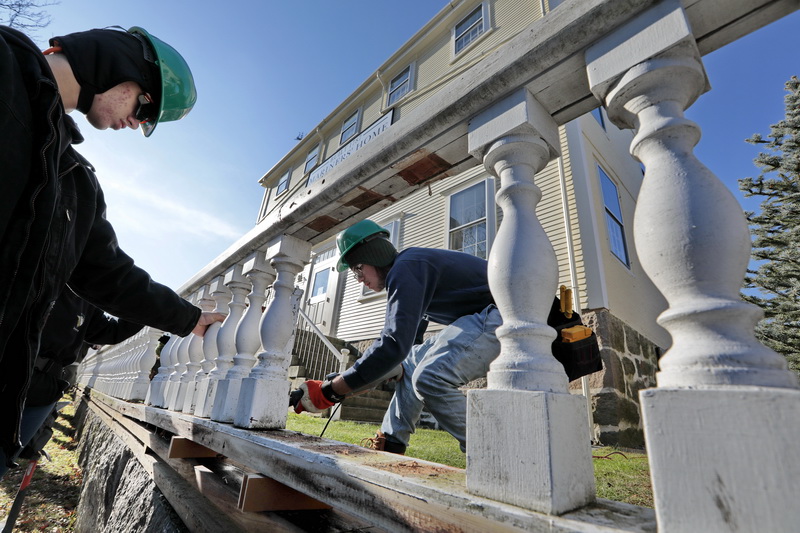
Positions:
{"x": 206, "y": 319}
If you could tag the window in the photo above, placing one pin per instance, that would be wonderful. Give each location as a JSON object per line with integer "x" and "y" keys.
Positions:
{"x": 320, "y": 286}
{"x": 283, "y": 183}
{"x": 264, "y": 203}
{"x": 349, "y": 128}
{"x": 597, "y": 113}
{"x": 470, "y": 28}
{"x": 311, "y": 159}
{"x": 468, "y": 228}
{"x": 393, "y": 227}
{"x": 400, "y": 85}
{"x": 616, "y": 229}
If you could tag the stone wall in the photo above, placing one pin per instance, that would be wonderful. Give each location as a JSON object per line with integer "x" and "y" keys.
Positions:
{"x": 117, "y": 494}
{"x": 630, "y": 362}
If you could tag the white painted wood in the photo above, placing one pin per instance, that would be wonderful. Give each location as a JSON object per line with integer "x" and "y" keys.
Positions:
{"x": 681, "y": 208}
{"x": 222, "y": 297}
{"x": 523, "y": 274}
{"x": 694, "y": 243}
{"x": 530, "y": 449}
{"x": 724, "y": 458}
{"x": 144, "y": 363}
{"x": 199, "y": 364}
{"x": 238, "y": 286}
{"x": 181, "y": 355}
{"x": 526, "y": 400}
{"x": 155, "y": 395}
{"x": 264, "y": 393}
{"x": 248, "y": 341}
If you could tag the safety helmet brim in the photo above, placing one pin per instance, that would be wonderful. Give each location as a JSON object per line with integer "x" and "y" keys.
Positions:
{"x": 178, "y": 92}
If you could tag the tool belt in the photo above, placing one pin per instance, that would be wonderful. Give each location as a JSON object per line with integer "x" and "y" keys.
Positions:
{"x": 576, "y": 346}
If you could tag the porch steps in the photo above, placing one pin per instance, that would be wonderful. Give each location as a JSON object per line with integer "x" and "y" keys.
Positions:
{"x": 367, "y": 407}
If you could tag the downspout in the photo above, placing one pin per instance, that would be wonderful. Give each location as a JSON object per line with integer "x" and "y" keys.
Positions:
{"x": 573, "y": 275}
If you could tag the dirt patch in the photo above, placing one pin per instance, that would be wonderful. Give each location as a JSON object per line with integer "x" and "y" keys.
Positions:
{"x": 414, "y": 468}
{"x": 349, "y": 450}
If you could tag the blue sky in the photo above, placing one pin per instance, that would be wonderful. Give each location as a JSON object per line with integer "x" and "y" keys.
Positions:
{"x": 268, "y": 70}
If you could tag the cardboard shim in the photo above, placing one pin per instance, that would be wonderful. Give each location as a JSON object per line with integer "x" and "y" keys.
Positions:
{"x": 260, "y": 493}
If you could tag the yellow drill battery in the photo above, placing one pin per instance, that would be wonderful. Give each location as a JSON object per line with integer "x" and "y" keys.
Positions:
{"x": 575, "y": 333}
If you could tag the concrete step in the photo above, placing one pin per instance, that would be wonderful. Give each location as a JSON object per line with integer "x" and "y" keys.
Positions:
{"x": 366, "y": 403}
{"x": 360, "y": 414}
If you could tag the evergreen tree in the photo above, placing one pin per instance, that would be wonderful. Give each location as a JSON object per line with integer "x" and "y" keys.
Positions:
{"x": 776, "y": 232}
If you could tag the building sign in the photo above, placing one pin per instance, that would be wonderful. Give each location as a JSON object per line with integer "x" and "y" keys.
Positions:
{"x": 377, "y": 127}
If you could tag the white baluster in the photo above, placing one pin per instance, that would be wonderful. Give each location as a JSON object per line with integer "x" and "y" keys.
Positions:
{"x": 248, "y": 342}
{"x": 526, "y": 399}
{"x": 197, "y": 354}
{"x": 156, "y": 394}
{"x": 145, "y": 362}
{"x": 181, "y": 355}
{"x": 693, "y": 241}
{"x": 226, "y": 338}
{"x": 222, "y": 296}
{"x": 265, "y": 393}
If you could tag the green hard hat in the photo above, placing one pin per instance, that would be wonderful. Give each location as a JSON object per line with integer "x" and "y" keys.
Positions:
{"x": 178, "y": 93}
{"x": 355, "y": 235}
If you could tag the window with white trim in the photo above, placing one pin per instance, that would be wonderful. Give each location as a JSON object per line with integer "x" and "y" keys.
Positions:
{"x": 470, "y": 28}
{"x": 349, "y": 127}
{"x": 470, "y": 220}
{"x": 393, "y": 227}
{"x": 264, "y": 203}
{"x": 614, "y": 223}
{"x": 400, "y": 85}
{"x": 311, "y": 159}
{"x": 283, "y": 183}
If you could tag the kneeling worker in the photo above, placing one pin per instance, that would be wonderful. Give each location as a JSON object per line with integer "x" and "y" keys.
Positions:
{"x": 445, "y": 286}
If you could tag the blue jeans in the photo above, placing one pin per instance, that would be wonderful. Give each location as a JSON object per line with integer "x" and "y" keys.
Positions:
{"x": 32, "y": 420}
{"x": 434, "y": 371}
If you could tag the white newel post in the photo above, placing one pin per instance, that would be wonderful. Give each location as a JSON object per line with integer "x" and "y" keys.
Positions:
{"x": 199, "y": 351}
{"x": 723, "y": 426}
{"x": 248, "y": 341}
{"x": 222, "y": 296}
{"x": 265, "y": 393}
{"x": 156, "y": 395}
{"x": 527, "y": 437}
{"x": 143, "y": 363}
{"x": 226, "y": 338}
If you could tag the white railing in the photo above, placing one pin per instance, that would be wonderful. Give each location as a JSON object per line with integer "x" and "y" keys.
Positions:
{"x": 316, "y": 353}
{"x": 643, "y": 64}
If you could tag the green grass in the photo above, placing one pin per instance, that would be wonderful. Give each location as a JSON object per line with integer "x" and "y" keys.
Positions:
{"x": 54, "y": 491}
{"x": 621, "y": 476}
{"x": 430, "y": 445}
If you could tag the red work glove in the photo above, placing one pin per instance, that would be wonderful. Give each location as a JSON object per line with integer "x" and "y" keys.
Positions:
{"x": 312, "y": 399}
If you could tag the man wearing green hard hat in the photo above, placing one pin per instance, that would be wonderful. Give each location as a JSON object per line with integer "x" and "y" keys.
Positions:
{"x": 53, "y": 227}
{"x": 444, "y": 286}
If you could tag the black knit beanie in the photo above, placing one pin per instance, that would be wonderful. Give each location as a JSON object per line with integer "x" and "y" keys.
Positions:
{"x": 378, "y": 252}
{"x": 103, "y": 58}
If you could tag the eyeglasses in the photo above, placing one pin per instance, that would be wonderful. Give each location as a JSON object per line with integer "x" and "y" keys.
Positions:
{"x": 358, "y": 272}
{"x": 146, "y": 111}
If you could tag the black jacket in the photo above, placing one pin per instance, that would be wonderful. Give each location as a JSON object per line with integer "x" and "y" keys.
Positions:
{"x": 53, "y": 230}
{"x": 72, "y": 326}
